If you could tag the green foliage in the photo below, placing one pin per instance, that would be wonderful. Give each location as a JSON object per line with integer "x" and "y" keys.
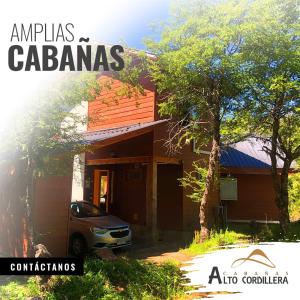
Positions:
{"x": 271, "y": 57}
{"x": 294, "y": 196}
{"x": 42, "y": 138}
{"x": 215, "y": 241}
{"x": 121, "y": 279}
{"x": 14, "y": 290}
{"x": 194, "y": 181}
{"x": 272, "y": 232}
{"x": 197, "y": 70}
{"x": 45, "y": 130}
{"x": 267, "y": 232}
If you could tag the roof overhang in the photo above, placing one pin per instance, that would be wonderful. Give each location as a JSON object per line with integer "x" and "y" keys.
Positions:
{"x": 105, "y": 137}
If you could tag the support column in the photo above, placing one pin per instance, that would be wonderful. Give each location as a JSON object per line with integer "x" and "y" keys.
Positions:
{"x": 151, "y": 191}
{"x": 78, "y": 177}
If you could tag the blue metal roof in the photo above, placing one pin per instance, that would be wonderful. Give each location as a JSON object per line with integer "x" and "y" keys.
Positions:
{"x": 247, "y": 154}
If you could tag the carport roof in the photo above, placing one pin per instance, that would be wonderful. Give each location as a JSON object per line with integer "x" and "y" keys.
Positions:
{"x": 112, "y": 133}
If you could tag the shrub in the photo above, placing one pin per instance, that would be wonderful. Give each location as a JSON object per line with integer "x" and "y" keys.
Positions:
{"x": 216, "y": 240}
{"x": 265, "y": 233}
{"x": 120, "y": 279}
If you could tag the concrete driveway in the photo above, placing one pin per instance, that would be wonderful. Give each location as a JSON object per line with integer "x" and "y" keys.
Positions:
{"x": 258, "y": 271}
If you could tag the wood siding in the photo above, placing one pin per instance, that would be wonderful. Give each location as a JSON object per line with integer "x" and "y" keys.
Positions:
{"x": 190, "y": 209}
{"x": 53, "y": 197}
{"x": 109, "y": 110}
{"x": 128, "y": 198}
{"x": 13, "y": 233}
{"x": 138, "y": 146}
{"x": 255, "y": 199}
{"x": 169, "y": 197}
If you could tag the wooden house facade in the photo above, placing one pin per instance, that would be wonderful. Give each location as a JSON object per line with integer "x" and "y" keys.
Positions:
{"x": 131, "y": 174}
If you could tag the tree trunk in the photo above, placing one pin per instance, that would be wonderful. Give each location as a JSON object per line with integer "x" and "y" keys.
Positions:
{"x": 283, "y": 204}
{"x": 273, "y": 156}
{"x": 29, "y": 207}
{"x": 280, "y": 181}
{"x": 210, "y": 197}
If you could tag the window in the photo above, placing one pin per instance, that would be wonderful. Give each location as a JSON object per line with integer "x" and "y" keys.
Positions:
{"x": 228, "y": 188}
{"x": 85, "y": 210}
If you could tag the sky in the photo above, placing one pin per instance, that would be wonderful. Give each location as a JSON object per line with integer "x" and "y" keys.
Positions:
{"x": 135, "y": 24}
{"x": 104, "y": 21}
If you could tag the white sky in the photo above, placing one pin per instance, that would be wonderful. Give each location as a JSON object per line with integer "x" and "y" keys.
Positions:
{"x": 89, "y": 17}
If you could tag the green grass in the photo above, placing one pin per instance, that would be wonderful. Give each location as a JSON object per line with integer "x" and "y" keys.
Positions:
{"x": 216, "y": 240}
{"x": 120, "y": 279}
{"x": 267, "y": 232}
{"x": 237, "y": 233}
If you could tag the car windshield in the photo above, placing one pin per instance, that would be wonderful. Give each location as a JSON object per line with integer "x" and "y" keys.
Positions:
{"x": 86, "y": 210}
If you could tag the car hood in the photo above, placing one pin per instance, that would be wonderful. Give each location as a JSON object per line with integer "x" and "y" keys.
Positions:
{"x": 108, "y": 221}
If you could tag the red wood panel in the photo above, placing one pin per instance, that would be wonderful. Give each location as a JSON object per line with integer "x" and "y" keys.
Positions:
{"x": 255, "y": 199}
{"x": 52, "y": 199}
{"x": 125, "y": 110}
{"x": 109, "y": 110}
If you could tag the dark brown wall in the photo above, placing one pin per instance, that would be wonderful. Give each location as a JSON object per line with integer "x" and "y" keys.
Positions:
{"x": 190, "y": 209}
{"x": 52, "y": 200}
{"x": 169, "y": 197}
{"x": 13, "y": 233}
{"x": 255, "y": 199}
{"x": 51, "y": 197}
{"x": 138, "y": 146}
{"x": 130, "y": 193}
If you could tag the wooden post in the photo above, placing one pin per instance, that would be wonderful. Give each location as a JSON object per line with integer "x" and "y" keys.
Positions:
{"x": 151, "y": 191}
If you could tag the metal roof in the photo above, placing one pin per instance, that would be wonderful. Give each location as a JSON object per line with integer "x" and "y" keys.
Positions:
{"x": 105, "y": 134}
{"x": 247, "y": 154}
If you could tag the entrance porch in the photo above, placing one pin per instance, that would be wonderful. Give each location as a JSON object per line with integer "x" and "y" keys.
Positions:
{"x": 124, "y": 177}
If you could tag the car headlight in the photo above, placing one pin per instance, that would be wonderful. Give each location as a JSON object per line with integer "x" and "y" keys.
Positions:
{"x": 97, "y": 230}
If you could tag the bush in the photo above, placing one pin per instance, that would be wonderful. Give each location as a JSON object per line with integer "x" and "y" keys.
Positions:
{"x": 294, "y": 196}
{"x": 268, "y": 231}
{"x": 265, "y": 233}
{"x": 216, "y": 240}
{"x": 120, "y": 279}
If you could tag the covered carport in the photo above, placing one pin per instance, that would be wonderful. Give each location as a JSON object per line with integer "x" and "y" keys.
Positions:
{"x": 142, "y": 189}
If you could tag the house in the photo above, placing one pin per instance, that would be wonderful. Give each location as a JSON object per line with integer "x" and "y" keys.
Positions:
{"x": 131, "y": 174}
{"x": 246, "y": 182}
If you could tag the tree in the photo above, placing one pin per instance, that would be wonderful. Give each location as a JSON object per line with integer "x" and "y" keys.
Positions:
{"x": 271, "y": 57}
{"x": 43, "y": 137}
{"x": 197, "y": 74}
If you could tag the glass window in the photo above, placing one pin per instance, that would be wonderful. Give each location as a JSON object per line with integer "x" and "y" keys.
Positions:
{"x": 86, "y": 210}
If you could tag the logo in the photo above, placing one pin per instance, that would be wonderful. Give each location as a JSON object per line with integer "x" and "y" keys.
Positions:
{"x": 256, "y": 252}
{"x": 265, "y": 277}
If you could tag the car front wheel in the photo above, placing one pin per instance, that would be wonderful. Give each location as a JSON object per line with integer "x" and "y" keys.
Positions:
{"x": 77, "y": 246}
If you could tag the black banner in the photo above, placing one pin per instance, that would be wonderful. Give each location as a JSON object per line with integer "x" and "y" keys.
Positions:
{"x": 41, "y": 266}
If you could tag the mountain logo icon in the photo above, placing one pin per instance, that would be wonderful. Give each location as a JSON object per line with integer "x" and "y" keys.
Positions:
{"x": 257, "y": 256}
